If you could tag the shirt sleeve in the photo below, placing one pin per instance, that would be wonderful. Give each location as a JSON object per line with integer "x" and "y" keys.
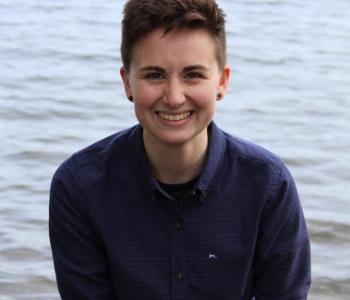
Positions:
{"x": 80, "y": 266}
{"x": 282, "y": 261}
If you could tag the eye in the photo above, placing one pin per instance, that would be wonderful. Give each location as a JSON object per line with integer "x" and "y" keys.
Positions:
{"x": 154, "y": 76}
{"x": 194, "y": 75}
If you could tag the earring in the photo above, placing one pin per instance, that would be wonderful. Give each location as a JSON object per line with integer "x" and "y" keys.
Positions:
{"x": 131, "y": 98}
{"x": 218, "y": 96}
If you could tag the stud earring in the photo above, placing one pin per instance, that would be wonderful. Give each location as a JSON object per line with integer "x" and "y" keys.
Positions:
{"x": 131, "y": 98}
{"x": 218, "y": 96}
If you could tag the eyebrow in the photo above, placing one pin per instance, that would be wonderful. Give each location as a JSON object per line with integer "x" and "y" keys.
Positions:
{"x": 152, "y": 68}
{"x": 196, "y": 67}
{"x": 186, "y": 69}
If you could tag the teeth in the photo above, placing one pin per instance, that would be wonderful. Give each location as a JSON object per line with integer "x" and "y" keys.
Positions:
{"x": 174, "y": 117}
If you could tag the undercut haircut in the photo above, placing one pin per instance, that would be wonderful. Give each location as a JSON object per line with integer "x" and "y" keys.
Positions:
{"x": 141, "y": 17}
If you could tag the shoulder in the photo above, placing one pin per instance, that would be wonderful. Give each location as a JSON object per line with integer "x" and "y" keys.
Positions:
{"x": 92, "y": 161}
{"x": 248, "y": 151}
{"x": 254, "y": 160}
{"x": 262, "y": 177}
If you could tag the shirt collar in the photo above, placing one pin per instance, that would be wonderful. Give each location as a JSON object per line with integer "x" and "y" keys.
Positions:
{"x": 141, "y": 163}
{"x": 215, "y": 153}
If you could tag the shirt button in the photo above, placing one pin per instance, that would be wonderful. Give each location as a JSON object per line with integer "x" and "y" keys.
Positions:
{"x": 178, "y": 225}
{"x": 180, "y": 276}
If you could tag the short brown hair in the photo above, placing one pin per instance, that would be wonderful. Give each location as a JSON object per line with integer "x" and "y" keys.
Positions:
{"x": 143, "y": 16}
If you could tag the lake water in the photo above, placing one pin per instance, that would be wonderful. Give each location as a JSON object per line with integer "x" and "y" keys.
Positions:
{"x": 60, "y": 91}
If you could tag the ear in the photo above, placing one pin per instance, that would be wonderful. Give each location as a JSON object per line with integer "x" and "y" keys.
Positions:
{"x": 224, "y": 79}
{"x": 125, "y": 77}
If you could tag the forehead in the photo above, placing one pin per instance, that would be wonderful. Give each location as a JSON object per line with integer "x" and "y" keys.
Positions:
{"x": 186, "y": 46}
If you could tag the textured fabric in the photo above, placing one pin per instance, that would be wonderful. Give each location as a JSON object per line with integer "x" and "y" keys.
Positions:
{"x": 116, "y": 234}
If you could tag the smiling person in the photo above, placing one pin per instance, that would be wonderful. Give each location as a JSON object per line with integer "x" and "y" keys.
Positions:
{"x": 174, "y": 207}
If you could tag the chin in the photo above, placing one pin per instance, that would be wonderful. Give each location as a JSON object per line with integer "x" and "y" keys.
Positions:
{"x": 174, "y": 140}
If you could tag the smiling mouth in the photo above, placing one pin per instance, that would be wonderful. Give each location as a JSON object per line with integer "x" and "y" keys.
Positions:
{"x": 174, "y": 117}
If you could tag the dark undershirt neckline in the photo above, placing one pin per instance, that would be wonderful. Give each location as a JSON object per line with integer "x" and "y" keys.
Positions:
{"x": 178, "y": 191}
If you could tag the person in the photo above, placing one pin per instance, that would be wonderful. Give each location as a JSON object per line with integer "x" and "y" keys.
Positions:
{"x": 174, "y": 207}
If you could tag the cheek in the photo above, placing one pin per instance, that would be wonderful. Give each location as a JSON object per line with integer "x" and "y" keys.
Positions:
{"x": 205, "y": 95}
{"x": 145, "y": 96}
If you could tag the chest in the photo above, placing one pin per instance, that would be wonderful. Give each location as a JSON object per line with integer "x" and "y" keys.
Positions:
{"x": 192, "y": 251}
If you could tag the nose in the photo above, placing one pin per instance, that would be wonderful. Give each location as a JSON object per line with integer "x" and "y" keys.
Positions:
{"x": 174, "y": 94}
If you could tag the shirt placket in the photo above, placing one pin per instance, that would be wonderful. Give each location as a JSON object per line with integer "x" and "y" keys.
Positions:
{"x": 178, "y": 255}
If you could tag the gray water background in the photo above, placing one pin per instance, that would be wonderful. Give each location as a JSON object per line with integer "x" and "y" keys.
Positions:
{"x": 60, "y": 91}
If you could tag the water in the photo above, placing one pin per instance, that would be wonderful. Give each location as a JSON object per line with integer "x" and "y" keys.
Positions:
{"x": 60, "y": 91}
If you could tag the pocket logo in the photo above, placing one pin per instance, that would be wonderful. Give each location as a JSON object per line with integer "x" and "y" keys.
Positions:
{"x": 212, "y": 256}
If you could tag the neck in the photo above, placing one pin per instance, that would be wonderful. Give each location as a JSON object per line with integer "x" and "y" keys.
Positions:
{"x": 176, "y": 163}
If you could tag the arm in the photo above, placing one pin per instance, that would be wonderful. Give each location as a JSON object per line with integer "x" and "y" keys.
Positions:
{"x": 81, "y": 269}
{"x": 282, "y": 261}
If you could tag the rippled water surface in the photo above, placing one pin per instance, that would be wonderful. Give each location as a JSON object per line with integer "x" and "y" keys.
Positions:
{"x": 60, "y": 91}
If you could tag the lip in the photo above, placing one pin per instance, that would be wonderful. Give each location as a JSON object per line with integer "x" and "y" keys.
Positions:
{"x": 174, "y": 118}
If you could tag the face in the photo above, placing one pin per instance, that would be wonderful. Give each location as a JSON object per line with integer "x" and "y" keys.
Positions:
{"x": 174, "y": 80}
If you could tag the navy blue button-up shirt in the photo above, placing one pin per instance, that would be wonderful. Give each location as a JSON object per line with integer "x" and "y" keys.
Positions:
{"x": 116, "y": 234}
